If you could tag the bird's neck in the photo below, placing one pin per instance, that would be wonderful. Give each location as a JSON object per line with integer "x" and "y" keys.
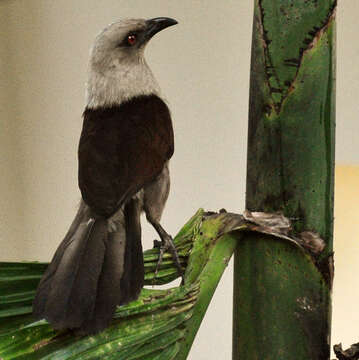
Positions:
{"x": 120, "y": 84}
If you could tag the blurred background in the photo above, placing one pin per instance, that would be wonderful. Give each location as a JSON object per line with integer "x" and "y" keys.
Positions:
{"x": 202, "y": 65}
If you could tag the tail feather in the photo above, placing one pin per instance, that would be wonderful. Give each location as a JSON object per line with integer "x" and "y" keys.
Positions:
{"x": 92, "y": 272}
{"x": 74, "y": 286}
{"x": 45, "y": 283}
{"x": 122, "y": 275}
{"x": 134, "y": 271}
{"x": 108, "y": 291}
{"x": 67, "y": 294}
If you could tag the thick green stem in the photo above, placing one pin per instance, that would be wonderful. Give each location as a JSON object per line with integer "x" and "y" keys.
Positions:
{"x": 281, "y": 295}
{"x": 209, "y": 279}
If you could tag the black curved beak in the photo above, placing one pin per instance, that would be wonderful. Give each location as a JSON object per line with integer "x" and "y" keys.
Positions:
{"x": 153, "y": 26}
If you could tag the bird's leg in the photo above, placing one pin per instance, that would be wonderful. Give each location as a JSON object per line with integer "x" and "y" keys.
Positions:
{"x": 155, "y": 196}
{"x": 167, "y": 245}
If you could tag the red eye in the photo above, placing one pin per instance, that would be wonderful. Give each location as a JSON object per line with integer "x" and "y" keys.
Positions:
{"x": 131, "y": 39}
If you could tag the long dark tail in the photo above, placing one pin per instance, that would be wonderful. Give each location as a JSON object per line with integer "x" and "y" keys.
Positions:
{"x": 92, "y": 271}
{"x": 126, "y": 287}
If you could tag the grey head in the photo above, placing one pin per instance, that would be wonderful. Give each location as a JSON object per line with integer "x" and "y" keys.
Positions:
{"x": 118, "y": 70}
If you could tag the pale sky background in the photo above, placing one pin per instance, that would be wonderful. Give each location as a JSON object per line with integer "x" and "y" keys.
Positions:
{"x": 202, "y": 65}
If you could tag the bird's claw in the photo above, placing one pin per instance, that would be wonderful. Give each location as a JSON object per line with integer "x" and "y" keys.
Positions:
{"x": 165, "y": 245}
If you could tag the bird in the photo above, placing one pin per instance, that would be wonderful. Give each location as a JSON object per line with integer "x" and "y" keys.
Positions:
{"x": 124, "y": 151}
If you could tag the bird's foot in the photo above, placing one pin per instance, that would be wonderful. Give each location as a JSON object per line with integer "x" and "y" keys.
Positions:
{"x": 167, "y": 245}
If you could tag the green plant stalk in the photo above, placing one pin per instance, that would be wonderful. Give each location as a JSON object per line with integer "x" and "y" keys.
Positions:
{"x": 208, "y": 280}
{"x": 282, "y": 297}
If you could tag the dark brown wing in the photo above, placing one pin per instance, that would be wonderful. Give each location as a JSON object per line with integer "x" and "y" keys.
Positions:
{"x": 123, "y": 148}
